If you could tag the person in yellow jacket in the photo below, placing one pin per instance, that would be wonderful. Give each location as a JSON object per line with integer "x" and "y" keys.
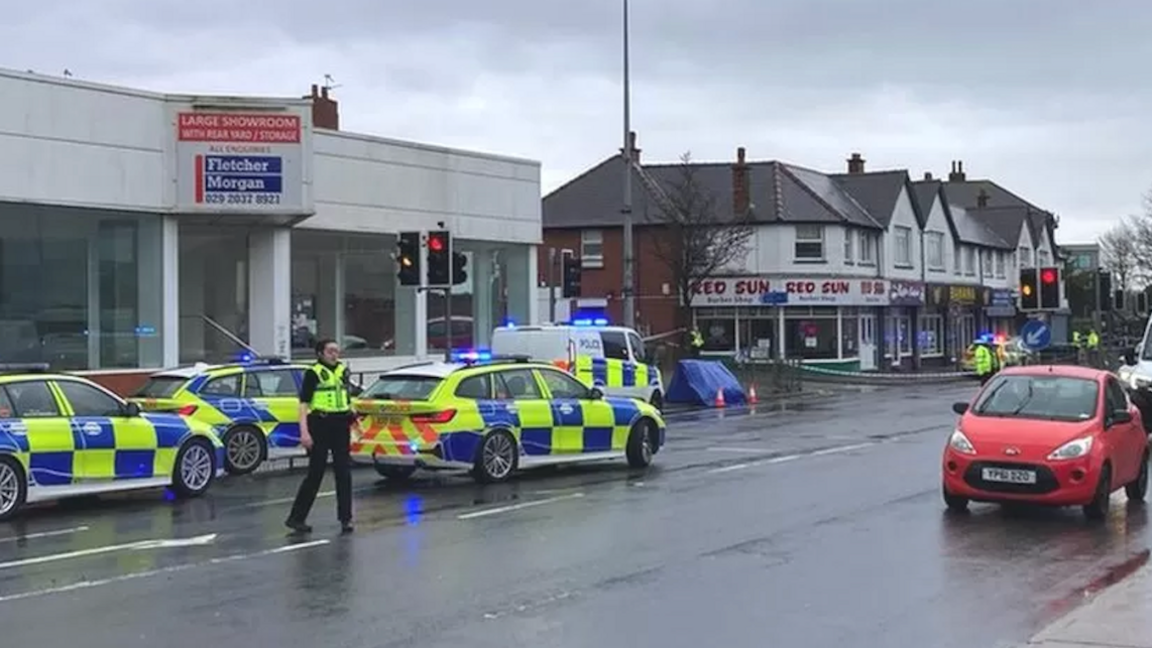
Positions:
{"x": 985, "y": 362}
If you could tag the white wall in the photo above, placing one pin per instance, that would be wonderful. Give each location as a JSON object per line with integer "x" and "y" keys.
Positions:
{"x": 772, "y": 252}
{"x": 902, "y": 216}
{"x": 937, "y": 221}
{"x": 369, "y": 184}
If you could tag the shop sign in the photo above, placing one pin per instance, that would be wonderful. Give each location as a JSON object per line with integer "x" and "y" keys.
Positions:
{"x": 247, "y": 161}
{"x": 791, "y": 291}
{"x": 906, "y": 293}
{"x": 956, "y": 295}
{"x": 1002, "y": 303}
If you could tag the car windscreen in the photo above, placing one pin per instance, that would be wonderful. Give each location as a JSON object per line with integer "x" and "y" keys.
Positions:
{"x": 160, "y": 387}
{"x": 1056, "y": 398}
{"x": 401, "y": 387}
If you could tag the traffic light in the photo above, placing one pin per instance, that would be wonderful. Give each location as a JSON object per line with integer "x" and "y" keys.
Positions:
{"x": 459, "y": 263}
{"x": 571, "y": 268}
{"x": 1049, "y": 288}
{"x": 408, "y": 258}
{"x": 1104, "y": 286}
{"x": 439, "y": 258}
{"x": 1029, "y": 291}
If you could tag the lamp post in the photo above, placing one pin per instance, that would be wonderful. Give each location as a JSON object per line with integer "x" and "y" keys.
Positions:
{"x": 629, "y": 261}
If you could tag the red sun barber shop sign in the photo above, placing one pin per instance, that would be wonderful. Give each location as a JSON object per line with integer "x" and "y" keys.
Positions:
{"x": 791, "y": 291}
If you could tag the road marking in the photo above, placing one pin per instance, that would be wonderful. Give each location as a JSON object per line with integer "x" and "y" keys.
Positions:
{"x": 791, "y": 457}
{"x": 156, "y": 572}
{"x": 740, "y": 450}
{"x": 45, "y": 534}
{"x": 130, "y": 546}
{"x": 516, "y": 507}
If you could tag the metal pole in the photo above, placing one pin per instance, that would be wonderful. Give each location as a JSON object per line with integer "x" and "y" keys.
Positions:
{"x": 448, "y": 324}
{"x": 629, "y": 298}
{"x": 551, "y": 285}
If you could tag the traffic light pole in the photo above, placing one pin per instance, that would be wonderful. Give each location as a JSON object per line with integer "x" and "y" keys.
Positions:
{"x": 551, "y": 285}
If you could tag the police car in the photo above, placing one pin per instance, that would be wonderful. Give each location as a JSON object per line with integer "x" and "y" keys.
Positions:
{"x": 252, "y": 405}
{"x": 613, "y": 358}
{"x": 64, "y": 436}
{"x": 493, "y": 416}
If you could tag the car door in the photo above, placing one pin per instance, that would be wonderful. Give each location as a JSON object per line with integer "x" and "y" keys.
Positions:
{"x": 115, "y": 446}
{"x": 582, "y": 423}
{"x": 519, "y": 393}
{"x": 1126, "y": 440}
{"x": 275, "y": 396}
{"x": 37, "y": 424}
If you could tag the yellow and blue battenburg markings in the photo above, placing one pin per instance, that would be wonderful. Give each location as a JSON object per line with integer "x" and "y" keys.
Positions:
{"x": 280, "y": 425}
{"x": 603, "y": 372}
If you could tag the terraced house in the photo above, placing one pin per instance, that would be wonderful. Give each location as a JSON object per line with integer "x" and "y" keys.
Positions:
{"x": 856, "y": 270}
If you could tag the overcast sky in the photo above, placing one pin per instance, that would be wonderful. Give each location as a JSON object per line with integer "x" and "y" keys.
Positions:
{"x": 1049, "y": 98}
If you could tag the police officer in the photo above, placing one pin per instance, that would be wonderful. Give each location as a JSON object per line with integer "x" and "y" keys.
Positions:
{"x": 697, "y": 341}
{"x": 326, "y": 422}
{"x": 985, "y": 362}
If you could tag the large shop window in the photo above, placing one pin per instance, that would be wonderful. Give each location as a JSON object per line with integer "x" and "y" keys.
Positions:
{"x": 344, "y": 287}
{"x": 80, "y": 289}
{"x": 214, "y": 299}
{"x": 719, "y": 332}
{"x": 811, "y": 334}
{"x": 931, "y": 335}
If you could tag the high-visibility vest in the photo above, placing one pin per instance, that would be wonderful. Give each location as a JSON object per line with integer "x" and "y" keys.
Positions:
{"x": 331, "y": 395}
{"x": 983, "y": 359}
{"x": 1093, "y": 340}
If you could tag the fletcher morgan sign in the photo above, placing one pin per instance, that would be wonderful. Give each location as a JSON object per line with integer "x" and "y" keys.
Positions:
{"x": 799, "y": 291}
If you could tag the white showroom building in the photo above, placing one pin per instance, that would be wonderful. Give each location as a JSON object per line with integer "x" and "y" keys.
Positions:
{"x": 140, "y": 230}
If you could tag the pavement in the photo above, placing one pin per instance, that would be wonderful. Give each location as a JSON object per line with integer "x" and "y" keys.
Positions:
{"x": 1120, "y": 617}
{"x": 804, "y": 525}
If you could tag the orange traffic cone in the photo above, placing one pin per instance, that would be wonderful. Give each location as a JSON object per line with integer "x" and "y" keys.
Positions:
{"x": 752, "y": 400}
{"x": 720, "y": 397}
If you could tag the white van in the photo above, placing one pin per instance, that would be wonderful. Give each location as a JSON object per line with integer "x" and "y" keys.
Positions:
{"x": 610, "y": 357}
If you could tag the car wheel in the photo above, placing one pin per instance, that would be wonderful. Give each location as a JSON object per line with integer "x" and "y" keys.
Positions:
{"x": 640, "y": 445}
{"x": 955, "y": 502}
{"x": 1138, "y": 489}
{"x": 1097, "y": 509}
{"x": 13, "y": 487}
{"x": 657, "y": 401}
{"x": 244, "y": 450}
{"x": 497, "y": 457}
{"x": 195, "y": 468}
{"x": 395, "y": 473}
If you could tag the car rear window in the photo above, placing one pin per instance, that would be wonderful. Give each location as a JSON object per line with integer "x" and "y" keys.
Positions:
{"x": 402, "y": 388}
{"x": 160, "y": 387}
{"x": 1057, "y": 398}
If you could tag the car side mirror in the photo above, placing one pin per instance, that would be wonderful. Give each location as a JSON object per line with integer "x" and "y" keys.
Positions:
{"x": 1121, "y": 416}
{"x": 131, "y": 409}
{"x": 960, "y": 408}
{"x": 596, "y": 393}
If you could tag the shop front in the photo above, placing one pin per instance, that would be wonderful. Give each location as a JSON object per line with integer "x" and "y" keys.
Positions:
{"x": 1000, "y": 312}
{"x": 951, "y": 319}
{"x": 906, "y": 299}
{"x": 829, "y": 321}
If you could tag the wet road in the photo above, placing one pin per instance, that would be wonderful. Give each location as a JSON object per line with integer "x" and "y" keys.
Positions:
{"x": 810, "y": 528}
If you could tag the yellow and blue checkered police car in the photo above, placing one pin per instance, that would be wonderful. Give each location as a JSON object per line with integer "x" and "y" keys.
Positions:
{"x": 494, "y": 416}
{"x": 613, "y": 358}
{"x": 64, "y": 436}
{"x": 252, "y": 405}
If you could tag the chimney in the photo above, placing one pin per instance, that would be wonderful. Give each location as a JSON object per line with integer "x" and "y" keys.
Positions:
{"x": 928, "y": 175}
{"x": 325, "y": 110}
{"x": 957, "y": 174}
{"x": 740, "y": 197}
{"x": 982, "y": 199}
{"x": 632, "y": 145}
{"x": 855, "y": 164}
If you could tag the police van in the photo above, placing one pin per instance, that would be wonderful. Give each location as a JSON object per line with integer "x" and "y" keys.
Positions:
{"x": 613, "y": 358}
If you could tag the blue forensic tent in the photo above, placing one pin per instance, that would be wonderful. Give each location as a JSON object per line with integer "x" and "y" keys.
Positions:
{"x": 697, "y": 381}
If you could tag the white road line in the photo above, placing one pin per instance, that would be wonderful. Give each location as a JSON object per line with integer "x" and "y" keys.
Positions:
{"x": 94, "y": 551}
{"x": 516, "y": 507}
{"x": 45, "y": 534}
{"x": 156, "y": 572}
{"x": 791, "y": 457}
{"x": 828, "y": 451}
{"x": 740, "y": 450}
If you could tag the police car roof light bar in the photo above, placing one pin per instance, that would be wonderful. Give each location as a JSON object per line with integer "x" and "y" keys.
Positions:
{"x": 24, "y": 367}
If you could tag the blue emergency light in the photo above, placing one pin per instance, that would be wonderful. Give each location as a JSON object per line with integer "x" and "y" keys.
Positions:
{"x": 470, "y": 356}
{"x": 590, "y": 321}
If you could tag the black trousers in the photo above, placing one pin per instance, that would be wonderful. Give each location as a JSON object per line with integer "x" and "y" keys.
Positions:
{"x": 330, "y": 434}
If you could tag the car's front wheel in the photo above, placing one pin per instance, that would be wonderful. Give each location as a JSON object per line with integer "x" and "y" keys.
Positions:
{"x": 641, "y": 444}
{"x": 1097, "y": 509}
{"x": 955, "y": 502}
{"x": 1138, "y": 489}
{"x": 195, "y": 468}
{"x": 497, "y": 458}
{"x": 13, "y": 487}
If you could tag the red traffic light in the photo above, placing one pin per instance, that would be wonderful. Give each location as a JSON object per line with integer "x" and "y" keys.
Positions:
{"x": 436, "y": 243}
{"x": 1048, "y": 276}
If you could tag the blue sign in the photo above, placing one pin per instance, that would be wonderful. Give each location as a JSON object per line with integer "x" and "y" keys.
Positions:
{"x": 1036, "y": 335}
{"x": 239, "y": 179}
{"x": 774, "y": 298}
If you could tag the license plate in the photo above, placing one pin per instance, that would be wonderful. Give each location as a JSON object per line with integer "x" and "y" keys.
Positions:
{"x": 1010, "y": 476}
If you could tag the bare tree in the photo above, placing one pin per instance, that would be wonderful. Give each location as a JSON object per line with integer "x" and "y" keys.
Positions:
{"x": 1120, "y": 253}
{"x": 693, "y": 239}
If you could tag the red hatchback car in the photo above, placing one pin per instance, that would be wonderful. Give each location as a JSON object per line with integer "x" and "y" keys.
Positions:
{"x": 1049, "y": 435}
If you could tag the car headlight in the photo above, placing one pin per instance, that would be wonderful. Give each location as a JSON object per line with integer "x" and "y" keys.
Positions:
{"x": 1141, "y": 382}
{"x": 1073, "y": 449}
{"x": 960, "y": 443}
